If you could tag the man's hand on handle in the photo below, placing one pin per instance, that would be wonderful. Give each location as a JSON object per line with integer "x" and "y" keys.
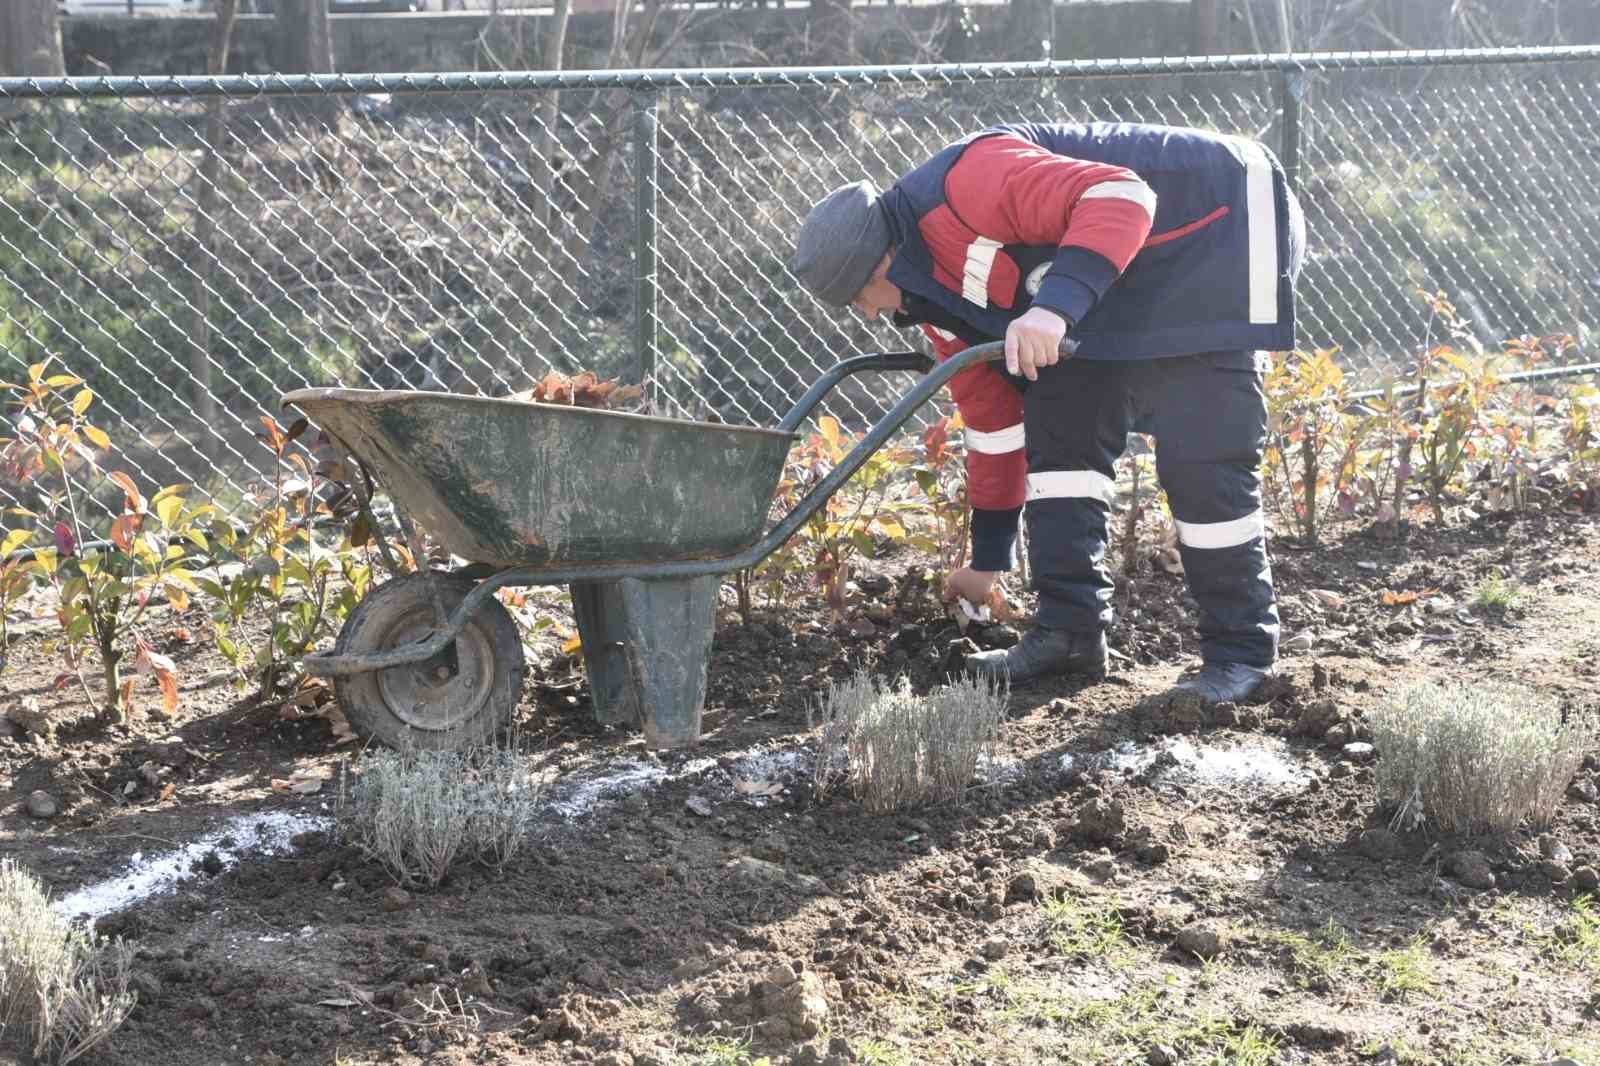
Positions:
{"x": 1033, "y": 340}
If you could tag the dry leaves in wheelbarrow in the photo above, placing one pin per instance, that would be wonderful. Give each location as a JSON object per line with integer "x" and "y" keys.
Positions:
{"x": 584, "y": 389}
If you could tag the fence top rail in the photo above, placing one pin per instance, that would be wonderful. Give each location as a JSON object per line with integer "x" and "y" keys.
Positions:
{"x": 772, "y": 77}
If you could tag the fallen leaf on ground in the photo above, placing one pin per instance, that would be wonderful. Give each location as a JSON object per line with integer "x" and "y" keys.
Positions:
{"x": 304, "y": 784}
{"x": 1328, "y": 599}
{"x": 342, "y": 733}
{"x": 1400, "y": 599}
{"x": 757, "y": 788}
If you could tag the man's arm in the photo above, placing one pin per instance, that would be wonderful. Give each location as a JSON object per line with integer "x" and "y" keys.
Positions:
{"x": 1013, "y": 191}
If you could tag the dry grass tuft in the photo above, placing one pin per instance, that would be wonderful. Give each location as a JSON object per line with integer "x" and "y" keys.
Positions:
{"x": 420, "y": 813}
{"x": 894, "y": 749}
{"x": 1475, "y": 759}
{"x": 63, "y": 990}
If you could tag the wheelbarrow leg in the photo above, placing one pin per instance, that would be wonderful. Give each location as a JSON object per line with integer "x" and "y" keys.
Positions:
{"x": 600, "y": 610}
{"x": 647, "y": 645}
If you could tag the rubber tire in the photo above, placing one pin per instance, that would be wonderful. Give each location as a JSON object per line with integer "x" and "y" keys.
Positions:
{"x": 368, "y": 630}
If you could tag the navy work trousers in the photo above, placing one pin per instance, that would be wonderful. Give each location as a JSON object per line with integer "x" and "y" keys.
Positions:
{"x": 1208, "y": 416}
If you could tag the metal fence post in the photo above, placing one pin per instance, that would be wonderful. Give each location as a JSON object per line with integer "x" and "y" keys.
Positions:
{"x": 647, "y": 171}
{"x": 1291, "y": 94}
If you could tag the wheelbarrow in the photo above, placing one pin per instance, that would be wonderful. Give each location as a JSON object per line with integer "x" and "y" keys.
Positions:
{"x": 641, "y": 516}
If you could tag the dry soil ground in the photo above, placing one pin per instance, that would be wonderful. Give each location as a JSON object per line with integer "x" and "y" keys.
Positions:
{"x": 1129, "y": 886}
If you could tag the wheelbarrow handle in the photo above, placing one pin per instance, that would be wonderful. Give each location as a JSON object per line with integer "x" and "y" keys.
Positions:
{"x": 915, "y": 362}
{"x": 876, "y": 437}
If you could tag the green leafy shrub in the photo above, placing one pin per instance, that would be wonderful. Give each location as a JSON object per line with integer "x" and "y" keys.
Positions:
{"x": 300, "y": 592}
{"x": 1315, "y": 458}
{"x": 103, "y": 594}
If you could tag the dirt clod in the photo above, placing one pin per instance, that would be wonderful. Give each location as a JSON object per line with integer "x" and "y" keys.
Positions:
{"x": 1470, "y": 868}
{"x": 592, "y": 975}
{"x": 1318, "y": 717}
{"x": 1378, "y": 844}
{"x": 1099, "y": 821}
{"x": 1205, "y": 939}
{"x": 27, "y": 714}
{"x": 996, "y": 637}
{"x": 994, "y": 950}
{"x": 1022, "y": 888}
{"x": 796, "y": 1010}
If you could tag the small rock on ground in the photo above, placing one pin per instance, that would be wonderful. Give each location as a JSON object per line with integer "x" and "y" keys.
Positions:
{"x": 1554, "y": 850}
{"x": 42, "y": 805}
{"x": 1586, "y": 879}
{"x": 751, "y": 869}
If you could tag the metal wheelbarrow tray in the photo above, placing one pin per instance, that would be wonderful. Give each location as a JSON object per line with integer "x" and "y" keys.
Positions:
{"x": 641, "y": 516}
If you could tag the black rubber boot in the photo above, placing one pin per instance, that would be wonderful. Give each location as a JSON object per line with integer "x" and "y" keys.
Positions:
{"x": 1221, "y": 683}
{"x": 1042, "y": 652}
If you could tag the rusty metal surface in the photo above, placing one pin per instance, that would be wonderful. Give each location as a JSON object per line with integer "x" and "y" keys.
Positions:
{"x": 522, "y": 484}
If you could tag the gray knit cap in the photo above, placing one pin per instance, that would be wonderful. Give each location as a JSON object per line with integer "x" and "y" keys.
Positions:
{"x": 841, "y": 242}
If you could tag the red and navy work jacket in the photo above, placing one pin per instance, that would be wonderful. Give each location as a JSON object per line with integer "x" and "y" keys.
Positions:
{"x": 1151, "y": 241}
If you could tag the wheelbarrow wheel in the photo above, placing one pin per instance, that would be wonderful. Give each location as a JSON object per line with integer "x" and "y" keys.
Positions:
{"x": 440, "y": 703}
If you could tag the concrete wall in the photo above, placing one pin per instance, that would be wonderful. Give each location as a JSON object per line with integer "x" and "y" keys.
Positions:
{"x": 745, "y": 37}
{"x": 719, "y": 37}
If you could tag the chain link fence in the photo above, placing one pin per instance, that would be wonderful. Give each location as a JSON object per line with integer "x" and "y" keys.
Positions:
{"x": 195, "y": 247}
